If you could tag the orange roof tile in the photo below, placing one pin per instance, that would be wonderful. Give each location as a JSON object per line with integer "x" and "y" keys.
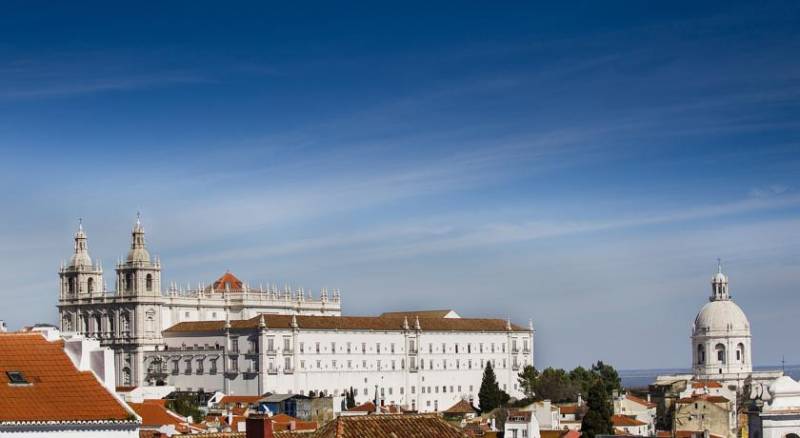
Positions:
{"x": 697, "y": 384}
{"x": 227, "y": 282}
{"x": 417, "y": 313}
{"x": 155, "y": 415}
{"x": 389, "y": 426}
{"x": 462, "y": 407}
{"x": 624, "y": 420}
{"x": 58, "y": 391}
{"x": 640, "y": 401}
{"x": 347, "y": 323}
{"x": 235, "y": 399}
{"x": 704, "y": 397}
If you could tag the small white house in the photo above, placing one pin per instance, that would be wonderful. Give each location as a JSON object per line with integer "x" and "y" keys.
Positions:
{"x": 781, "y": 417}
{"x": 522, "y": 424}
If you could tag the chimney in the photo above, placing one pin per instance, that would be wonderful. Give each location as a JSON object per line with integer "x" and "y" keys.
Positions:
{"x": 648, "y": 398}
{"x": 230, "y": 417}
{"x": 3, "y": 326}
{"x": 580, "y": 399}
{"x": 258, "y": 426}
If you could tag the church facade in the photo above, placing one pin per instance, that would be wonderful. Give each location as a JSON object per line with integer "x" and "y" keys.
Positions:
{"x": 130, "y": 318}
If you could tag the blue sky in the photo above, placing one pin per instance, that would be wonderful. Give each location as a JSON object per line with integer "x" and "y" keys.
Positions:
{"x": 583, "y": 166}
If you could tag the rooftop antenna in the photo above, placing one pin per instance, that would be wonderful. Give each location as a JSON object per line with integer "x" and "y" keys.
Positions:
{"x": 719, "y": 265}
{"x": 783, "y": 363}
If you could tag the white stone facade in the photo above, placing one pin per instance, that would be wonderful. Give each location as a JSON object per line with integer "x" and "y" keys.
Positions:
{"x": 427, "y": 365}
{"x": 129, "y": 319}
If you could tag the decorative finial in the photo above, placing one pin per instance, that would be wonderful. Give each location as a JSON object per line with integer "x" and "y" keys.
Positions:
{"x": 80, "y": 224}
{"x": 138, "y": 217}
{"x": 294, "y": 321}
{"x": 719, "y": 265}
{"x": 405, "y": 323}
{"x": 416, "y": 324}
{"x": 508, "y": 324}
{"x": 261, "y": 323}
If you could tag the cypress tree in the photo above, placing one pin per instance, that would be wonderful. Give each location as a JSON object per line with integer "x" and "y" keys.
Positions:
{"x": 489, "y": 393}
{"x": 597, "y": 420}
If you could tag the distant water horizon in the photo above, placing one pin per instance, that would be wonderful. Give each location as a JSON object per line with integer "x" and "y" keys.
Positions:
{"x": 640, "y": 378}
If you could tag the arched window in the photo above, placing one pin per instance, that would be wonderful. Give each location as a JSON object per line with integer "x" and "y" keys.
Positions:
{"x": 720, "y": 349}
{"x": 90, "y": 285}
{"x": 66, "y": 323}
{"x": 97, "y": 324}
{"x": 126, "y": 376}
{"x": 149, "y": 282}
{"x": 792, "y": 435}
{"x": 701, "y": 354}
{"x": 124, "y": 323}
{"x": 129, "y": 282}
{"x": 71, "y": 285}
{"x": 111, "y": 325}
{"x": 740, "y": 353}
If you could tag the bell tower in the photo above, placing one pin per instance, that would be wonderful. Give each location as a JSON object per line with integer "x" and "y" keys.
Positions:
{"x": 137, "y": 275}
{"x": 80, "y": 280}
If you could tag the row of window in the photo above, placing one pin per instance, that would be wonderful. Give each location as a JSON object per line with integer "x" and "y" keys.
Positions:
{"x": 349, "y": 348}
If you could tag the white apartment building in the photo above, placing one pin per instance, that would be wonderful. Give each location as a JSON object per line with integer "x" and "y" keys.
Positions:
{"x": 423, "y": 361}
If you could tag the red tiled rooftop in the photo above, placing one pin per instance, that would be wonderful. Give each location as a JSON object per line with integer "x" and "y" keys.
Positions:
{"x": 704, "y": 397}
{"x": 640, "y": 401}
{"x": 235, "y": 399}
{"x": 389, "y": 426}
{"x": 462, "y": 407}
{"x": 698, "y": 384}
{"x": 312, "y": 322}
{"x": 227, "y": 282}
{"x": 625, "y": 421}
{"x": 58, "y": 391}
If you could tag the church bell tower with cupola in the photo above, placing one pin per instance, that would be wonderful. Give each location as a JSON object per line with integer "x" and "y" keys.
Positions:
{"x": 80, "y": 280}
{"x": 137, "y": 275}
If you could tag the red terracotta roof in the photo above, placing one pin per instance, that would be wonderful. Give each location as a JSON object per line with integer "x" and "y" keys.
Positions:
{"x": 640, "y": 401}
{"x": 347, "y": 323}
{"x": 155, "y": 415}
{"x": 57, "y": 391}
{"x": 704, "y": 397}
{"x": 417, "y": 313}
{"x": 683, "y": 434}
{"x": 227, "y": 282}
{"x": 287, "y": 422}
{"x": 389, "y": 426}
{"x": 568, "y": 409}
{"x": 236, "y": 399}
{"x": 462, "y": 407}
{"x": 519, "y": 416}
{"x": 364, "y": 407}
{"x": 625, "y": 421}
{"x": 697, "y": 384}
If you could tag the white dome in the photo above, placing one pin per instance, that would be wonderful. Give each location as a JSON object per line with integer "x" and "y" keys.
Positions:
{"x": 721, "y": 316}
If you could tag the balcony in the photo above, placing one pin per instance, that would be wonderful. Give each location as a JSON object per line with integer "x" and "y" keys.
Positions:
{"x": 515, "y": 366}
{"x": 288, "y": 371}
{"x": 514, "y": 350}
{"x": 271, "y": 351}
{"x": 413, "y": 368}
{"x": 526, "y": 350}
{"x": 288, "y": 351}
{"x": 412, "y": 350}
{"x": 272, "y": 370}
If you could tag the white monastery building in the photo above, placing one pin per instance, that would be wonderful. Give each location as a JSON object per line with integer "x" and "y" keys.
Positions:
{"x": 240, "y": 340}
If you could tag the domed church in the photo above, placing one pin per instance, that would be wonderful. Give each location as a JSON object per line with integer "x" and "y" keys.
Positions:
{"x": 721, "y": 334}
{"x": 722, "y": 343}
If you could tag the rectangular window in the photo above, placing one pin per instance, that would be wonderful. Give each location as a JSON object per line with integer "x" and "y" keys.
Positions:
{"x": 392, "y": 347}
{"x": 212, "y": 366}
{"x": 363, "y": 348}
{"x": 287, "y": 344}
{"x": 270, "y": 345}
{"x": 333, "y": 347}
{"x": 378, "y": 348}
{"x": 317, "y": 347}
{"x": 348, "y": 348}
{"x": 199, "y": 366}
{"x": 302, "y": 347}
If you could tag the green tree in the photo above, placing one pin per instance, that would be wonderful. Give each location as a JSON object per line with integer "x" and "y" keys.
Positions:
{"x": 608, "y": 375}
{"x": 581, "y": 379}
{"x": 490, "y": 395}
{"x": 527, "y": 380}
{"x": 350, "y": 398}
{"x": 554, "y": 384}
{"x": 187, "y": 406}
{"x": 597, "y": 420}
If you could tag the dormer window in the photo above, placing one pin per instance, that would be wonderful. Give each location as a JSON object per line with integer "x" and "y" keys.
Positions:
{"x": 16, "y": 378}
